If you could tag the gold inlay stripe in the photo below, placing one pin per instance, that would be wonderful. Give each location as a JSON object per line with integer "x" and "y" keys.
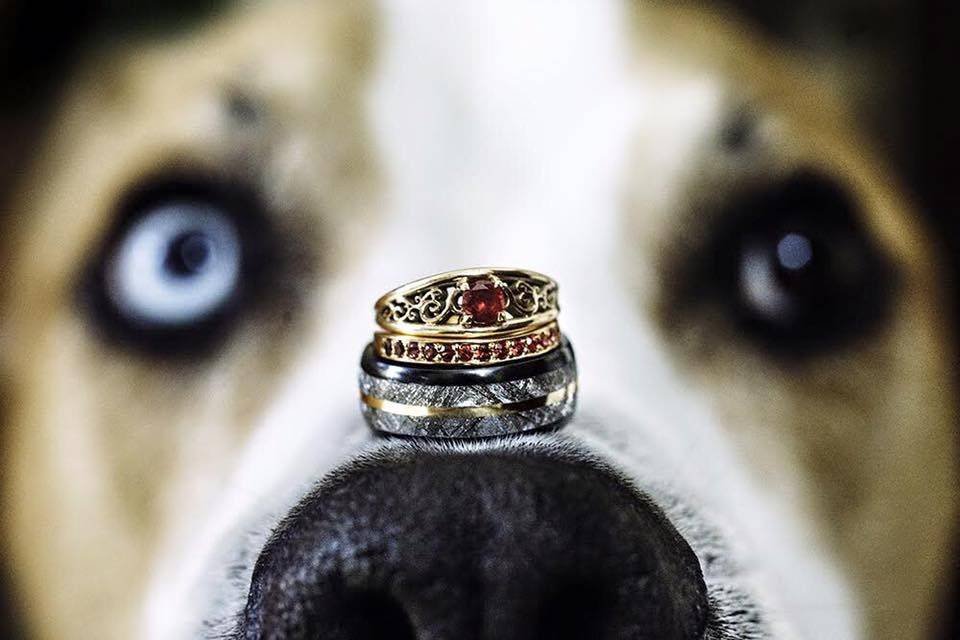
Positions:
{"x": 417, "y": 411}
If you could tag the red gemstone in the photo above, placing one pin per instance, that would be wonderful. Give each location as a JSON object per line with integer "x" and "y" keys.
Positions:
{"x": 482, "y": 351}
{"x": 446, "y": 352}
{"x": 413, "y": 351}
{"x": 517, "y": 348}
{"x": 398, "y": 349}
{"x": 429, "y": 352}
{"x": 501, "y": 350}
{"x": 464, "y": 352}
{"x": 388, "y": 347}
{"x": 534, "y": 345}
{"x": 484, "y": 301}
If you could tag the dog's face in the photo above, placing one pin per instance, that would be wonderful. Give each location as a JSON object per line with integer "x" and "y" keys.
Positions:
{"x": 758, "y": 319}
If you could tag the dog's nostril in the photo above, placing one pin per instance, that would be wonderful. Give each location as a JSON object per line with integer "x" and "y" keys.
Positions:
{"x": 574, "y": 610}
{"x": 504, "y": 545}
{"x": 365, "y": 615}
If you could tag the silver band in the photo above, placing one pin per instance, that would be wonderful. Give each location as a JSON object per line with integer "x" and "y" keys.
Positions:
{"x": 469, "y": 411}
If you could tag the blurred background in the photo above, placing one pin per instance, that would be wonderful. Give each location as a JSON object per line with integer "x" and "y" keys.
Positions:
{"x": 904, "y": 52}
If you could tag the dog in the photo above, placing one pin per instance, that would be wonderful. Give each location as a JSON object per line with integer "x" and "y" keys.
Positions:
{"x": 767, "y": 405}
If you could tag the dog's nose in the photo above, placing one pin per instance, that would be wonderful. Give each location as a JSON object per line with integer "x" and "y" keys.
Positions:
{"x": 505, "y": 546}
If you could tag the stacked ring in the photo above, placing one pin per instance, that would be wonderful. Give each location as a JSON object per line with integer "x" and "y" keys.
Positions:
{"x": 475, "y": 351}
{"x": 470, "y": 303}
{"x": 469, "y": 353}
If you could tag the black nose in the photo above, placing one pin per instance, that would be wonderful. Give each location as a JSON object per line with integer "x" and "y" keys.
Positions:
{"x": 505, "y": 546}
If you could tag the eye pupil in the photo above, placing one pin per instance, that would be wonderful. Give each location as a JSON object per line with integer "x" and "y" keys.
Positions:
{"x": 177, "y": 266}
{"x": 190, "y": 254}
{"x": 795, "y": 252}
{"x": 804, "y": 273}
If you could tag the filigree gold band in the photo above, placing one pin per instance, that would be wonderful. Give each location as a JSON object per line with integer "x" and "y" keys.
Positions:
{"x": 470, "y": 303}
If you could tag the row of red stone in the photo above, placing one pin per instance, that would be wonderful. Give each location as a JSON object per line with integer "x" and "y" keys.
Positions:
{"x": 471, "y": 352}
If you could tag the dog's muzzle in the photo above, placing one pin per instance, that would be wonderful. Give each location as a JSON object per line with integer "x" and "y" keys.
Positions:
{"x": 502, "y": 544}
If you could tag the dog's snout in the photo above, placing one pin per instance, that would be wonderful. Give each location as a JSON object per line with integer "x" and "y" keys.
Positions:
{"x": 470, "y": 545}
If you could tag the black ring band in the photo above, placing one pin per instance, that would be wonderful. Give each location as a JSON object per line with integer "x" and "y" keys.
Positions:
{"x": 468, "y": 402}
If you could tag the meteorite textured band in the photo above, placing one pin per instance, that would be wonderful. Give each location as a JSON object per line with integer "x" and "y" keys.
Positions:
{"x": 470, "y": 303}
{"x": 498, "y": 408}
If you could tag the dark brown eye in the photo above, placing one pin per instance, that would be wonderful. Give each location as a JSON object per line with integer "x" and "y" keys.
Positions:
{"x": 799, "y": 269}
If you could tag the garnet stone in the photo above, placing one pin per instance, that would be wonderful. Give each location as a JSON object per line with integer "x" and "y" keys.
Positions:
{"x": 429, "y": 351}
{"x": 446, "y": 352}
{"x": 413, "y": 350}
{"x": 465, "y": 352}
{"x": 484, "y": 301}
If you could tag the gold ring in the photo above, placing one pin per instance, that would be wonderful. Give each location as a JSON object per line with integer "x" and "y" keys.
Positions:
{"x": 470, "y": 303}
{"x": 473, "y": 351}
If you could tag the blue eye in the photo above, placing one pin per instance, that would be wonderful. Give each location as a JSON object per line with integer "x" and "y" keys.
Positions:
{"x": 189, "y": 257}
{"x": 178, "y": 264}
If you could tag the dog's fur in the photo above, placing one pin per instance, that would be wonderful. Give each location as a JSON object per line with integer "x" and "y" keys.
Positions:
{"x": 603, "y": 143}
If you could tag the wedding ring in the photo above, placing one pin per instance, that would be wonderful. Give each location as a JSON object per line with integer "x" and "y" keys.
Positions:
{"x": 476, "y": 351}
{"x": 470, "y": 303}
